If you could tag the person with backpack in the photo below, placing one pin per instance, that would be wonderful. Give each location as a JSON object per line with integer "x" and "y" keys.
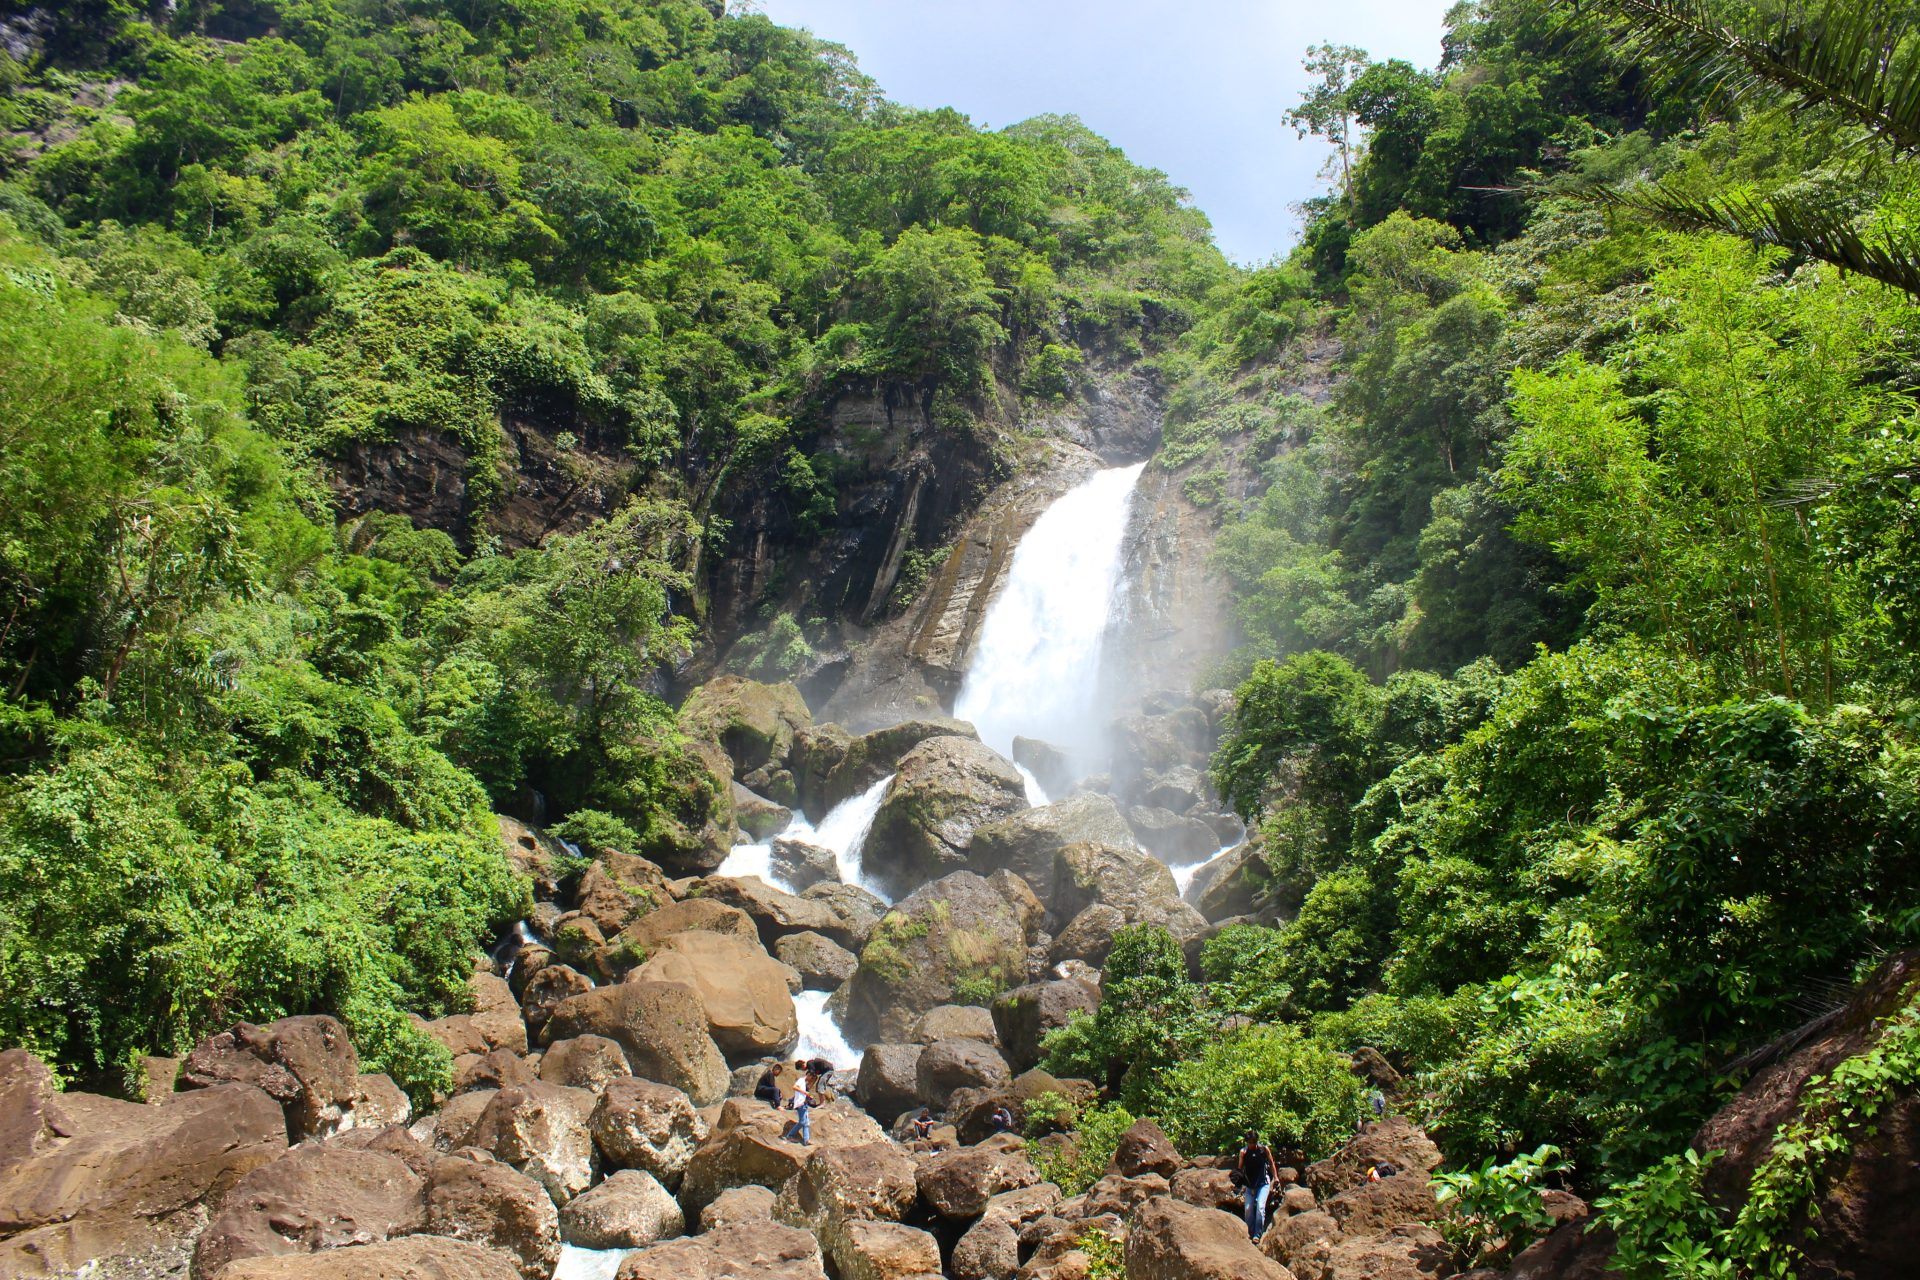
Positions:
{"x": 1258, "y": 1170}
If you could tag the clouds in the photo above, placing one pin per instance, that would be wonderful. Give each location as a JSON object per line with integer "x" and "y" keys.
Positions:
{"x": 1196, "y": 87}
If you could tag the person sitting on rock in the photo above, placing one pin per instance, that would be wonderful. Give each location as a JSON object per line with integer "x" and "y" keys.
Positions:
{"x": 1001, "y": 1121}
{"x": 1257, "y": 1169}
{"x": 923, "y": 1125}
{"x": 768, "y": 1089}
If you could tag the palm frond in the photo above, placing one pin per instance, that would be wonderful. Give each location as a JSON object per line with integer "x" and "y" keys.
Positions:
{"x": 1848, "y": 56}
{"x": 1799, "y": 225}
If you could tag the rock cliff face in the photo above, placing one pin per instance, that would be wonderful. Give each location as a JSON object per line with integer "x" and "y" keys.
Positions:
{"x": 1175, "y": 620}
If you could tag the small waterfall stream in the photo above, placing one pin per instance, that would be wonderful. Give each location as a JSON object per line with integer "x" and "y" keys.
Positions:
{"x": 843, "y": 831}
{"x": 1036, "y": 667}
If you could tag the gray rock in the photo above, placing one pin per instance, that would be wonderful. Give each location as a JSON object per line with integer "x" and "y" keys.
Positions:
{"x": 822, "y": 963}
{"x": 803, "y": 865}
{"x": 630, "y": 1210}
{"x": 943, "y": 791}
{"x": 1027, "y": 843}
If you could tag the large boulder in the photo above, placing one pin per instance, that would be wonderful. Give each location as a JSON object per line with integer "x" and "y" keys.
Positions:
{"x": 1145, "y": 1148}
{"x": 618, "y": 888}
{"x": 865, "y": 760}
{"x": 954, "y": 1022}
{"x": 749, "y": 1009}
{"x": 971, "y": 1110}
{"x": 753, "y": 723}
{"x": 661, "y": 1025}
{"x": 1396, "y": 1141}
{"x": 822, "y": 963}
{"x": 639, "y": 1124}
{"x": 1088, "y": 936}
{"x": 741, "y": 1204}
{"x": 704, "y": 915}
{"x": 1170, "y": 836}
{"x": 545, "y": 990}
{"x": 584, "y": 1062}
{"x": 802, "y": 864}
{"x": 534, "y": 854}
{"x": 944, "y": 790}
{"x": 1115, "y": 875}
{"x": 678, "y": 793}
{"x": 1361, "y": 1227}
{"x": 738, "y": 1251}
{"x": 757, "y": 816}
{"x": 889, "y": 1080}
{"x": 948, "y": 1065}
{"x": 775, "y": 912}
{"x": 869, "y": 1250}
{"x": 988, "y": 1250}
{"x": 470, "y": 1197}
{"x": 495, "y": 1069}
{"x": 856, "y": 911}
{"x": 1026, "y": 1014}
{"x": 839, "y": 1186}
{"x": 412, "y": 1258}
{"x": 86, "y": 1179}
{"x": 959, "y": 1183}
{"x": 541, "y": 1130}
{"x": 1026, "y": 843}
{"x": 1230, "y": 885}
{"x": 630, "y": 1210}
{"x": 313, "y": 1198}
{"x": 956, "y": 941}
{"x": 748, "y": 1146}
{"x": 306, "y": 1064}
{"x": 1169, "y": 1239}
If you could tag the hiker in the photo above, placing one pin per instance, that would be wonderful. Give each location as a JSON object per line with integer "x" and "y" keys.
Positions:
{"x": 801, "y": 1129}
{"x": 1257, "y": 1169}
{"x": 1001, "y": 1121}
{"x": 768, "y": 1089}
{"x": 923, "y": 1125}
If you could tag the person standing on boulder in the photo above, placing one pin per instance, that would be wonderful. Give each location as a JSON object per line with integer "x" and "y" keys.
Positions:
{"x": 802, "y": 1103}
{"x": 1257, "y": 1169}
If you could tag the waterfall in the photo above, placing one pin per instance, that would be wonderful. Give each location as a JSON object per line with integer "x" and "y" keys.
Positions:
{"x": 820, "y": 1035}
{"x": 843, "y": 830}
{"x": 1036, "y": 666}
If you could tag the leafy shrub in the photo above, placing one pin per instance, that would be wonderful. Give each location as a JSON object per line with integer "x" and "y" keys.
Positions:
{"x": 1290, "y": 1088}
{"x": 1491, "y": 1213}
{"x": 1081, "y": 1162}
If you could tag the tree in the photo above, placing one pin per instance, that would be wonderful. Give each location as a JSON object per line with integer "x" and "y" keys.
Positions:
{"x": 1853, "y": 60}
{"x": 1326, "y": 107}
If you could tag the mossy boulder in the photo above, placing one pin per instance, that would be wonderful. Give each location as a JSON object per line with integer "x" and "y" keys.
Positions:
{"x": 677, "y": 795}
{"x": 872, "y": 756}
{"x": 955, "y": 941}
{"x": 1026, "y": 842}
{"x": 753, "y": 723}
{"x": 943, "y": 791}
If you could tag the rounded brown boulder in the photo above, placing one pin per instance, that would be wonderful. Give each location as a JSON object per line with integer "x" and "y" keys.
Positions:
{"x": 414, "y": 1258}
{"x": 661, "y": 1025}
{"x": 471, "y": 1197}
{"x": 306, "y": 1064}
{"x": 943, "y": 790}
{"x": 639, "y": 1124}
{"x": 1170, "y": 1239}
{"x": 312, "y": 1198}
{"x": 749, "y": 1009}
{"x": 948, "y": 1065}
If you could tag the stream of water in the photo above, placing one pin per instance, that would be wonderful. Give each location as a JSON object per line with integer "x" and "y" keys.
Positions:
{"x": 843, "y": 831}
{"x": 1036, "y": 667}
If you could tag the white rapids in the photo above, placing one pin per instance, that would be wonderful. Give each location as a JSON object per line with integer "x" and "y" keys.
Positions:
{"x": 1036, "y": 667}
{"x": 588, "y": 1264}
{"x": 1183, "y": 875}
{"x": 843, "y": 831}
{"x": 820, "y": 1035}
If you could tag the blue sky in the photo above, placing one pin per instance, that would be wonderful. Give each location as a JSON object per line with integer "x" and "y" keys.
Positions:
{"x": 1194, "y": 87}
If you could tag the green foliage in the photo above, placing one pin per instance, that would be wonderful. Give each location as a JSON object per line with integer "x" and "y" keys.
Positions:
{"x": 1048, "y": 1111}
{"x": 1150, "y": 1016}
{"x": 1290, "y": 1088}
{"x": 1106, "y": 1256}
{"x": 1084, "y": 1159}
{"x": 1489, "y": 1214}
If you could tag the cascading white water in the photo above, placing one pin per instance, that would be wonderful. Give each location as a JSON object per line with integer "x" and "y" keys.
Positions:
{"x": 820, "y": 1035}
{"x": 1183, "y": 875}
{"x": 843, "y": 831}
{"x": 588, "y": 1264}
{"x": 1036, "y": 666}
